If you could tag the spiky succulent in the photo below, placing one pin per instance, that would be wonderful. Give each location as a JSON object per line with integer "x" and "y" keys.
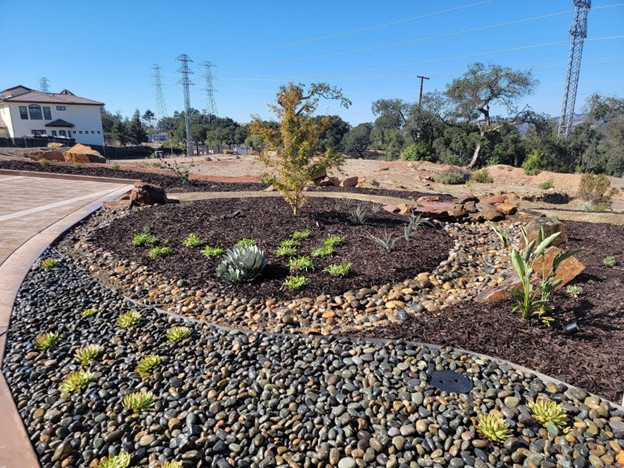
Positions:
{"x": 49, "y": 263}
{"x": 46, "y": 340}
{"x": 192, "y": 240}
{"x": 176, "y": 334}
{"x": 242, "y": 264}
{"x": 129, "y": 318}
{"x": 139, "y": 401}
{"x": 212, "y": 251}
{"x": 76, "y": 381}
{"x": 89, "y": 312}
{"x": 116, "y": 461}
{"x": 87, "y": 353}
{"x": 547, "y": 411}
{"x": 146, "y": 365}
{"x": 494, "y": 428}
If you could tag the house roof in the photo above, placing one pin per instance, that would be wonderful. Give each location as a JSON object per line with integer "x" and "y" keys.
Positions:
{"x": 59, "y": 123}
{"x": 64, "y": 97}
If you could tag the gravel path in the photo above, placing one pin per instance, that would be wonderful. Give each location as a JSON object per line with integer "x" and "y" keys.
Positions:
{"x": 234, "y": 399}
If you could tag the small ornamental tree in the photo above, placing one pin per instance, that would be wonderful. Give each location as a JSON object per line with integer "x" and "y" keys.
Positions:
{"x": 293, "y": 153}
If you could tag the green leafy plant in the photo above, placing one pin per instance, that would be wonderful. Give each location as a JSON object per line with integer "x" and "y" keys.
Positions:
{"x": 49, "y": 263}
{"x": 502, "y": 235}
{"x": 116, "y": 461}
{"x": 143, "y": 238}
{"x": 333, "y": 241}
{"x": 192, "y": 240}
{"x": 87, "y": 353}
{"x": 494, "y": 428}
{"x": 301, "y": 235}
{"x": 115, "y": 167}
{"x": 548, "y": 184}
{"x": 212, "y": 251}
{"x": 77, "y": 166}
{"x": 574, "y": 291}
{"x": 245, "y": 241}
{"x": 532, "y": 300}
{"x": 176, "y": 334}
{"x": 139, "y": 401}
{"x": 128, "y": 319}
{"x": 242, "y": 264}
{"x": 302, "y": 263}
{"x": 451, "y": 177}
{"x": 89, "y": 312}
{"x": 609, "y": 261}
{"x": 46, "y": 340}
{"x": 160, "y": 252}
{"x": 339, "y": 269}
{"x": 548, "y": 412}
{"x": 412, "y": 226}
{"x": 481, "y": 176}
{"x": 147, "y": 364}
{"x": 358, "y": 214}
{"x": 596, "y": 190}
{"x": 323, "y": 251}
{"x": 375, "y": 207}
{"x": 419, "y": 151}
{"x": 282, "y": 251}
{"x": 533, "y": 164}
{"x": 290, "y": 243}
{"x": 295, "y": 282}
{"x": 44, "y": 162}
{"x": 76, "y": 381}
{"x": 386, "y": 241}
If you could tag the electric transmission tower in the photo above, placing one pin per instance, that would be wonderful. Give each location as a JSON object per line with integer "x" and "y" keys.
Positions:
{"x": 578, "y": 33}
{"x": 43, "y": 85}
{"x": 211, "y": 107}
{"x": 186, "y": 82}
{"x": 161, "y": 108}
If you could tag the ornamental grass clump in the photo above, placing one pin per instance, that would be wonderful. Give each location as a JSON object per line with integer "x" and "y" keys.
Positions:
{"x": 89, "y": 312}
{"x": 160, "y": 252}
{"x": 76, "y": 381}
{"x": 494, "y": 428}
{"x": 46, "y": 340}
{"x": 87, "y": 353}
{"x": 386, "y": 241}
{"x": 339, "y": 269}
{"x": 282, "y": 251}
{"x": 333, "y": 241}
{"x": 300, "y": 264}
{"x": 176, "y": 334}
{"x": 139, "y": 401}
{"x": 143, "y": 238}
{"x": 116, "y": 461}
{"x": 301, "y": 235}
{"x": 212, "y": 251}
{"x": 245, "y": 242}
{"x": 192, "y": 240}
{"x": 549, "y": 412}
{"x": 147, "y": 364}
{"x": 358, "y": 215}
{"x": 323, "y": 251}
{"x": 128, "y": 319}
{"x": 49, "y": 263}
{"x": 290, "y": 243}
{"x": 295, "y": 282}
{"x": 242, "y": 264}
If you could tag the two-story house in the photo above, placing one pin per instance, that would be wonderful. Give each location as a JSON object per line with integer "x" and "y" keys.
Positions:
{"x": 26, "y": 112}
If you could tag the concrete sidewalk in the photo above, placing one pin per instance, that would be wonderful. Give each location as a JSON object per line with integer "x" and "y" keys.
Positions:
{"x": 34, "y": 211}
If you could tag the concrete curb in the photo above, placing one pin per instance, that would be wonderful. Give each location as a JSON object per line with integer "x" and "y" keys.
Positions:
{"x": 57, "y": 175}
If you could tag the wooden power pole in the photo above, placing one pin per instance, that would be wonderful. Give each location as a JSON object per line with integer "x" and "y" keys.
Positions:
{"x": 422, "y": 79}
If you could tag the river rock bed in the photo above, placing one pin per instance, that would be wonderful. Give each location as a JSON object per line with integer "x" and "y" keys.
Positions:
{"x": 254, "y": 399}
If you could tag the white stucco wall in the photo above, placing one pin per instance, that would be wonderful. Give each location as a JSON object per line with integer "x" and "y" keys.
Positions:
{"x": 5, "y": 114}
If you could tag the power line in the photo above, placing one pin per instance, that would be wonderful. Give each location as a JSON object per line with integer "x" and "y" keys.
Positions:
{"x": 43, "y": 85}
{"x": 186, "y": 82}
{"x": 211, "y": 106}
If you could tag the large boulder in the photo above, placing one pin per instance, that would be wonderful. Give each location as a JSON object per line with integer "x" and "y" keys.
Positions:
{"x": 147, "y": 194}
{"x": 47, "y": 155}
{"x": 55, "y": 145}
{"x": 550, "y": 226}
{"x": 83, "y": 154}
{"x": 567, "y": 270}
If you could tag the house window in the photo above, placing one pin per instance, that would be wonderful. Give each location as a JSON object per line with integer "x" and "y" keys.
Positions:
{"x": 92, "y": 132}
{"x": 80, "y": 131}
{"x": 98, "y": 132}
{"x": 62, "y": 133}
{"x": 47, "y": 115}
{"x": 35, "y": 112}
{"x": 74, "y": 131}
{"x": 53, "y": 132}
{"x": 61, "y": 108}
{"x": 39, "y": 132}
{"x": 23, "y": 112}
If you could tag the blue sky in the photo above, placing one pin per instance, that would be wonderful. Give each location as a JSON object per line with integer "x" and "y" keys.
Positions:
{"x": 371, "y": 49}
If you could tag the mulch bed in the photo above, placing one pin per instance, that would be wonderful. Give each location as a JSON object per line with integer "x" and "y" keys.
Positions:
{"x": 592, "y": 359}
{"x": 269, "y": 221}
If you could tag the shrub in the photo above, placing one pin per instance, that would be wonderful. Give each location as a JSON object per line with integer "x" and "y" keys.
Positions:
{"x": 282, "y": 251}
{"x": 386, "y": 241}
{"x": 192, "y": 240}
{"x": 212, "y": 251}
{"x": 494, "y": 428}
{"x": 548, "y": 184}
{"x": 176, "y": 334}
{"x": 138, "y": 401}
{"x": 116, "y": 461}
{"x": 339, "y": 269}
{"x": 89, "y": 312}
{"x": 146, "y": 365}
{"x": 242, "y": 264}
{"x": 49, "y": 263}
{"x": 128, "y": 319}
{"x": 548, "y": 412}
{"x": 245, "y": 241}
{"x": 143, "y": 238}
{"x": 358, "y": 215}
{"x": 451, "y": 177}
{"x": 532, "y": 165}
{"x": 481, "y": 176}
{"x": 87, "y": 353}
{"x": 76, "y": 381}
{"x": 609, "y": 261}
{"x": 419, "y": 151}
{"x": 160, "y": 252}
{"x": 574, "y": 291}
{"x": 46, "y": 340}
{"x": 333, "y": 241}
{"x": 597, "y": 190}
{"x": 301, "y": 235}
{"x": 300, "y": 264}
{"x": 323, "y": 251}
{"x": 295, "y": 282}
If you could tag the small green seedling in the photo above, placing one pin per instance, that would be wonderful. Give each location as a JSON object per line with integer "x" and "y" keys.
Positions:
{"x": 574, "y": 291}
{"x": 160, "y": 252}
{"x": 301, "y": 235}
{"x": 143, "y": 238}
{"x": 333, "y": 241}
{"x": 324, "y": 251}
{"x": 295, "y": 282}
{"x": 116, "y": 461}
{"x": 89, "y": 312}
{"x": 300, "y": 264}
{"x": 549, "y": 412}
{"x": 212, "y": 251}
{"x": 49, "y": 263}
{"x": 609, "y": 261}
{"x": 192, "y": 240}
{"x": 290, "y": 243}
{"x": 282, "y": 251}
{"x": 245, "y": 241}
{"x": 339, "y": 269}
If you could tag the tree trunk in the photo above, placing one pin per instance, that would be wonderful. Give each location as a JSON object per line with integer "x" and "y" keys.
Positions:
{"x": 475, "y": 157}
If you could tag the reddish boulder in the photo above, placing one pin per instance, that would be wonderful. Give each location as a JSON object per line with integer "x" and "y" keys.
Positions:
{"x": 349, "y": 182}
{"x": 121, "y": 203}
{"x": 47, "y": 155}
{"x": 507, "y": 208}
{"x": 495, "y": 200}
{"x": 83, "y": 154}
{"x": 401, "y": 208}
{"x": 147, "y": 194}
{"x": 569, "y": 269}
{"x": 550, "y": 227}
{"x": 500, "y": 292}
{"x": 489, "y": 212}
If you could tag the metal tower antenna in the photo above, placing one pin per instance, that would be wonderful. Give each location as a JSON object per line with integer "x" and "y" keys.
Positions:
{"x": 211, "y": 107}
{"x": 186, "y": 82}
{"x": 161, "y": 108}
{"x": 43, "y": 85}
{"x": 578, "y": 33}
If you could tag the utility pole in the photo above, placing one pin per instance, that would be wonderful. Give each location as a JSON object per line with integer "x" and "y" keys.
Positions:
{"x": 43, "y": 85}
{"x": 186, "y": 82}
{"x": 211, "y": 106}
{"x": 422, "y": 79}
{"x": 578, "y": 33}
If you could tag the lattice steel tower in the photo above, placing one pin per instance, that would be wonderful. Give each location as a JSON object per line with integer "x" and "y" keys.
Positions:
{"x": 578, "y": 33}
{"x": 211, "y": 106}
{"x": 43, "y": 85}
{"x": 161, "y": 108}
{"x": 186, "y": 82}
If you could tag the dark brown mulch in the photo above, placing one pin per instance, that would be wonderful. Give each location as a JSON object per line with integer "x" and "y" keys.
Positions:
{"x": 592, "y": 359}
{"x": 269, "y": 221}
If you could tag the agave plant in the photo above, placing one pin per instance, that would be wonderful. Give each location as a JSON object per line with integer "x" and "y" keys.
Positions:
{"x": 494, "y": 428}
{"x": 242, "y": 264}
{"x": 89, "y": 312}
{"x": 116, "y": 461}
{"x": 176, "y": 334}
{"x": 146, "y": 365}
{"x": 548, "y": 412}
{"x": 76, "y": 381}
{"x": 139, "y": 401}
{"x": 46, "y": 340}
{"x": 87, "y": 353}
{"x": 127, "y": 319}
